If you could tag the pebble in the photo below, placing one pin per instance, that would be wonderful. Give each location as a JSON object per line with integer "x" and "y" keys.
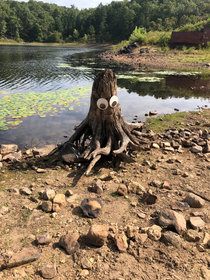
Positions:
{"x": 121, "y": 242}
{"x": 97, "y": 235}
{"x": 44, "y": 239}
{"x": 47, "y": 206}
{"x": 122, "y": 190}
{"x": 154, "y": 232}
{"x": 194, "y": 200}
{"x": 91, "y": 207}
{"x": 69, "y": 242}
{"x": 171, "y": 238}
{"x": 170, "y": 219}
{"x": 197, "y": 223}
{"x": 48, "y": 194}
{"x": 192, "y": 236}
{"x": 49, "y": 271}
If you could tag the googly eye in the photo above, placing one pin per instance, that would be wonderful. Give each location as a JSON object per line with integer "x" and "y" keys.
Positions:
{"x": 102, "y": 104}
{"x": 113, "y": 101}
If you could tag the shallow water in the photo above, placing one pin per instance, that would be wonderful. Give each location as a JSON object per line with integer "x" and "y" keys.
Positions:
{"x": 45, "y": 92}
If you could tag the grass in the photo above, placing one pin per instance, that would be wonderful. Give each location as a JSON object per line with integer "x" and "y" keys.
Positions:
{"x": 176, "y": 120}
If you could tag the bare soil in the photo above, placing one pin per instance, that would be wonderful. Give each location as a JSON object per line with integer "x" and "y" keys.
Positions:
{"x": 172, "y": 59}
{"x": 25, "y": 221}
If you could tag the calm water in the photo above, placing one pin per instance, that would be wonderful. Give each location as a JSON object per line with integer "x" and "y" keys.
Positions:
{"x": 41, "y": 70}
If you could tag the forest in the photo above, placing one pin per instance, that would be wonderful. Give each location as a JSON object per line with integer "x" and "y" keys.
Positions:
{"x": 36, "y": 21}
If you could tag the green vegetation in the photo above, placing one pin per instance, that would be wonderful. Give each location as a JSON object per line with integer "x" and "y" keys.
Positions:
{"x": 176, "y": 120}
{"x": 37, "y": 21}
{"x": 14, "y": 107}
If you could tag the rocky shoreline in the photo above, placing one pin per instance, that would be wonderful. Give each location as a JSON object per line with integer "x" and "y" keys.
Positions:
{"x": 143, "y": 220}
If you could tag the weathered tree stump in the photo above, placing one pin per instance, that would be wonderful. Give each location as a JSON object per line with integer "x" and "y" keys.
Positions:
{"x": 103, "y": 131}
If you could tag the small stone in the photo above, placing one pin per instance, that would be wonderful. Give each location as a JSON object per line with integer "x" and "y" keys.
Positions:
{"x": 166, "y": 185}
{"x": 91, "y": 207}
{"x": 121, "y": 242}
{"x": 26, "y": 191}
{"x": 26, "y": 255}
{"x": 155, "y": 146}
{"x": 48, "y": 194}
{"x": 69, "y": 242}
{"x": 185, "y": 174}
{"x": 172, "y": 219}
{"x": 69, "y": 193}
{"x": 141, "y": 237}
{"x": 196, "y": 149}
{"x": 60, "y": 199}
{"x": 84, "y": 273}
{"x": 141, "y": 215}
{"x": 152, "y": 113}
{"x": 122, "y": 190}
{"x": 182, "y": 206}
{"x": 149, "y": 198}
{"x": 154, "y": 232}
{"x": 49, "y": 271}
{"x": 8, "y": 148}
{"x": 46, "y": 206}
{"x": 194, "y": 201}
{"x": 13, "y": 157}
{"x": 44, "y": 239}
{"x": 197, "y": 214}
{"x": 4, "y": 210}
{"x": 192, "y": 236}
{"x": 171, "y": 238}
{"x": 155, "y": 183}
{"x": 56, "y": 207}
{"x": 197, "y": 223}
{"x": 41, "y": 170}
{"x": 177, "y": 172}
{"x": 86, "y": 264}
{"x": 14, "y": 191}
{"x": 97, "y": 235}
{"x": 44, "y": 150}
{"x": 107, "y": 177}
{"x": 98, "y": 187}
{"x": 131, "y": 231}
{"x": 135, "y": 187}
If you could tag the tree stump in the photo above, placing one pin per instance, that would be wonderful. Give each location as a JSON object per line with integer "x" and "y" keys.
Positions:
{"x": 103, "y": 131}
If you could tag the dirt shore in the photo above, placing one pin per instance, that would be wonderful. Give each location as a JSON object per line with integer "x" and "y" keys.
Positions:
{"x": 165, "y": 174}
{"x": 172, "y": 59}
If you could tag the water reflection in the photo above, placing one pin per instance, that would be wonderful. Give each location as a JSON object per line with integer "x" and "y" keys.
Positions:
{"x": 42, "y": 69}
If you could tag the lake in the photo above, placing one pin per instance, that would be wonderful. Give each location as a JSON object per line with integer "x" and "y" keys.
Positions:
{"x": 45, "y": 92}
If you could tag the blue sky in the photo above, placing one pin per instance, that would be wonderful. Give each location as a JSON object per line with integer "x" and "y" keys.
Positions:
{"x": 80, "y": 4}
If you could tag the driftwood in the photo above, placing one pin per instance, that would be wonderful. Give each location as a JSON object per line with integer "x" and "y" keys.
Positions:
{"x": 103, "y": 131}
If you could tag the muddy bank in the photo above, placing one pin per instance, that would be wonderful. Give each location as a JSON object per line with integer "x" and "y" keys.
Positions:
{"x": 155, "y": 59}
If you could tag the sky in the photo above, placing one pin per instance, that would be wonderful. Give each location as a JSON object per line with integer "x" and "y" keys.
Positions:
{"x": 80, "y": 4}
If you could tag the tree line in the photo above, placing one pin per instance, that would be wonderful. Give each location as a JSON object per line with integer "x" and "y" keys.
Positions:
{"x": 42, "y": 22}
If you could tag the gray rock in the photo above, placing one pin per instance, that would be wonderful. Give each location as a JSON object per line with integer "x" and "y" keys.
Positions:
{"x": 8, "y": 148}
{"x": 25, "y": 191}
{"x": 47, "y": 206}
{"x": 192, "y": 236}
{"x": 98, "y": 187}
{"x": 196, "y": 149}
{"x": 172, "y": 238}
{"x": 48, "y": 194}
{"x": 44, "y": 239}
{"x": 194, "y": 200}
{"x": 197, "y": 223}
{"x": 49, "y": 271}
{"x": 86, "y": 264}
{"x": 14, "y": 157}
{"x": 44, "y": 150}
{"x": 206, "y": 148}
{"x": 154, "y": 232}
{"x": 69, "y": 193}
{"x": 172, "y": 219}
{"x": 149, "y": 198}
{"x": 122, "y": 190}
